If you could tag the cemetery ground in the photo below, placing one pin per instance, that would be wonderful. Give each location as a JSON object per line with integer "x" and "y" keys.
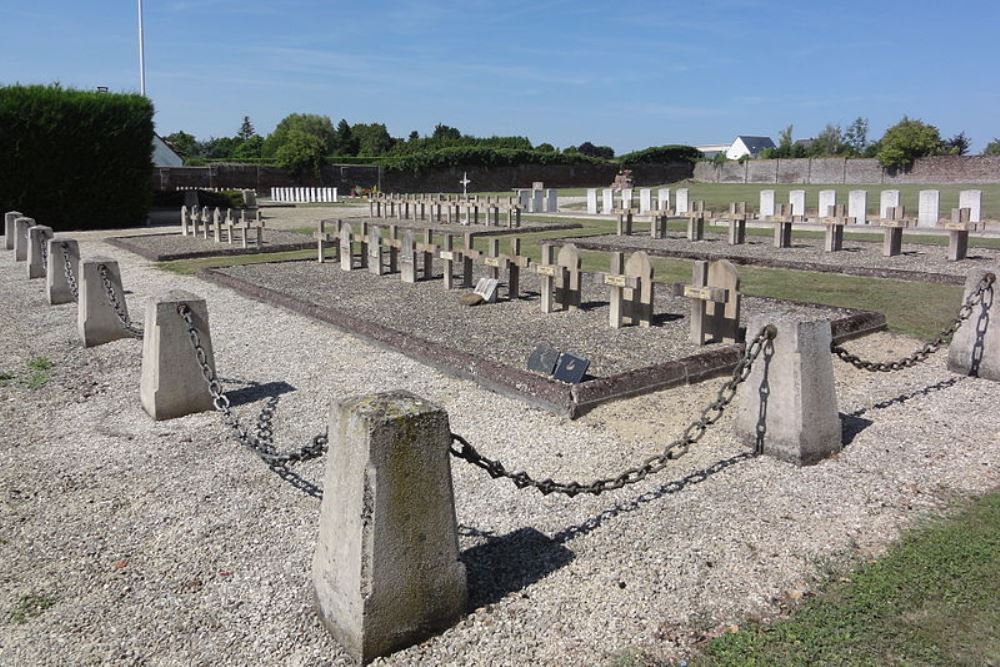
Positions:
{"x": 126, "y": 540}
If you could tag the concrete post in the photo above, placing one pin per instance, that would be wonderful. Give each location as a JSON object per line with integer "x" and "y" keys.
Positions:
{"x": 975, "y": 348}
{"x": 8, "y": 228}
{"x": 386, "y": 572}
{"x": 95, "y": 318}
{"x": 56, "y": 285}
{"x": 38, "y": 237}
{"x": 172, "y": 384}
{"x": 788, "y": 404}
{"x": 21, "y": 227}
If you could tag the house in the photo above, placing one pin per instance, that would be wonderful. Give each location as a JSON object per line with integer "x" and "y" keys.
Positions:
{"x": 745, "y": 145}
{"x": 711, "y": 150}
{"x": 164, "y": 155}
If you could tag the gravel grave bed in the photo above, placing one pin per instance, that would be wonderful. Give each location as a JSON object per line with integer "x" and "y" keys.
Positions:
{"x": 917, "y": 262}
{"x": 165, "y": 543}
{"x": 174, "y": 245}
{"x": 505, "y": 331}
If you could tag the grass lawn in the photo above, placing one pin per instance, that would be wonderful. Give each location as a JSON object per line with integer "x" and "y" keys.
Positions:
{"x": 931, "y": 600}
{"x": 916, "y": 309}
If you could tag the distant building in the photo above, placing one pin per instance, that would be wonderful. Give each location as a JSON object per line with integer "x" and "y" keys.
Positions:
{"x": 752, "y": 146}
{"x": 711, "y": 150}
{"x": 164, "y": 155}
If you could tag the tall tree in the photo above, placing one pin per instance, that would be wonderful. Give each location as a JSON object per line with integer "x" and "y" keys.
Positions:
{"x": 183, "y": 143}
{"x": 372, "y": 139}
{"x": 828, "y": 142}
{"x": 345, "y": 142}
{"x": 992, "y": 148}
{"x": 906, "y": 141}
{"x": 320, "y": 127}
{"x": 246, "y": 129}
{"x": 856, "y": 136}
{"x": 959, "y": 144}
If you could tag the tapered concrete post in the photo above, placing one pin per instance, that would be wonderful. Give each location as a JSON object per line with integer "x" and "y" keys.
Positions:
{"x": 21, "y": 227}
{"x": 172, "y": 383}
{"x": 8, "y": 228}
{"x": 95, "y": 318}
{"x": 975, "y": 348}
{"x": 788, "y": 404}
{"x": 57, "y": 284}
{"x": 38, "y": 239}
{"x": 386, "y": 572}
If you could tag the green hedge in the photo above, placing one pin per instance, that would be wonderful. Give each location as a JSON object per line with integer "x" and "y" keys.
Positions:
{"x": 474, "y": 156}
{"x": 661, "y": 154}
{"x": 175, "y": 199}
{"x": 73, "y": 159}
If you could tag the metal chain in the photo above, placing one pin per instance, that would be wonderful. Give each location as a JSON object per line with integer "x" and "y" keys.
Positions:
{"x": 652, "y": 465}
{"x": 70, "y": 278}
{"x": 929, "y": 348}
{"x": 116, "y": 305}
{"x": 45, "y": 255}
{"x": 263, "y": 442}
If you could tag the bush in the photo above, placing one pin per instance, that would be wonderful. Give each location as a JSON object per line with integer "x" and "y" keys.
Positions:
{"x": 662, "y": 154}
{"x": 907, "y": 140}
{"x": 75, "y": 159}
{"x": 476, "y": 156}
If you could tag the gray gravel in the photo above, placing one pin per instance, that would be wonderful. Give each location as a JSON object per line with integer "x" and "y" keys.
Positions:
{"x": 175, "y": 243}
{"x": 860, "y": 254}
{"x": 163, "y": 543}
{"x": 505, "y": 331}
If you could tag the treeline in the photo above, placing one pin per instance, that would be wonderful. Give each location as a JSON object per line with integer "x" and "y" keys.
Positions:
{"x": 303, "y": 143}
{"x": 901, "y": 144}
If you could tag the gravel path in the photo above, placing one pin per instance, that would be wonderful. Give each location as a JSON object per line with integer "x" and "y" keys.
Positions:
{"x": 163, "y": 543}
{"x": 856, "y": 254}
{"x": 505, "y": 331}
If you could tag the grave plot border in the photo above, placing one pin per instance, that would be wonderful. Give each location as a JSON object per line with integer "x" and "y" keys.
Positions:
{"x": 568, "y": 400}
{"x": 588, "y": 243}
{"x": 222, "y": 249}
{"x": 527, "y": 226}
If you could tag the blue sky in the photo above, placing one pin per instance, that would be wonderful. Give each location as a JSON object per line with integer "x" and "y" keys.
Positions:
{"x": 627, "y": 74}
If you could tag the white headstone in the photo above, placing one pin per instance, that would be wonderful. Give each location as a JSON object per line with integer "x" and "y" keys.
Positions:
{"x": 930, "y": 208}
{"x": 827, "y": 198}
{"x": 797, "y": 198}
{"x": 887, "y": 199}
{"x": 537, "y": 201}
{"x": 857, "y": 205}
{"x": 608, "y": 201}
{"x": 551, "y": 201}
{"x": 645, "y": 200}
{"x": 663, "y": 199}
{"x": 972, "y": 199}
{"x": 626, "y": 197}
{"x": 766, "y": 203}
{"x": 592, "y": 201}
{"x": 681, "y": 197}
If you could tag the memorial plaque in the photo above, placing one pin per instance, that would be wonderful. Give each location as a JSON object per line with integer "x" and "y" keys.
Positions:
{"x": 487, "y": 288}
{"x": 543, "y": 359}
{"x": 491, "y": 261}
{"x": 545, "y": 270}
{"x": 615, "y": 280}
{"x": 571, "y": 368}
{"x": 448, "y": 255}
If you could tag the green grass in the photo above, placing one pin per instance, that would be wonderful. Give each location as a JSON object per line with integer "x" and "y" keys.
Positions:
{"x": 30, "y": 606}
{"x": 38, "y": 373}
{"x": 931, "y": 600}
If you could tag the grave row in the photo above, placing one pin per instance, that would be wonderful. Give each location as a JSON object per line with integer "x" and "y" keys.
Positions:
{"x": 714, "y": 292}
{"x": 928, "y": 212}
{"x": 199, "y": 221}
{"x": 304, "y": 195}
{"x": 447, "y": 209}
{"x": 386, "y": 571}
{"x": 895, "y": 221}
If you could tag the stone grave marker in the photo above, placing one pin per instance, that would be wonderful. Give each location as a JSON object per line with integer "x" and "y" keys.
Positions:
{"x": 543, "y": 359}
{"x": 766, "y": 204}
{"x": 624, "y": 221}
{"x": 21, "y": 227}
{"x": 568, "y": 293}
{"x": 38, "y": 239}
{"x": 376, "y": 261}
{"x": 737, "y": 219}
{"x": 608, "y": 200}
{"x": 663, "y": 199}
{"x": 8, "y": 228}
{"x": 696, "y": 222}
{"x": 408, "y": 257}
{"x": 929, "y": 209}
{"x": 571, "y": 368}
{"x": 958, "y": 233}
{"x": 715, "y": 302}
{"x": 645, "y": 201}
{"x": 972, "y": 200}
{"x": 592, "y": 201}
{"x": 681, "y": 201}
{"x": 797, "y": 200}
{"x": 487, "y": 288}
{"x": 857, "y": 206}
{"x": 893, "y": 225}
{"x": 827, "y": 198}
{"x": 887, "y": 199}
{"x": 834, "y": 222}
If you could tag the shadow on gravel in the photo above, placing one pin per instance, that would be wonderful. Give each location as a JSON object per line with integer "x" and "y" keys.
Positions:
{"x": 255, "y": 392}
{"x": 916, "y": 393}
{"x": 509, "y": 563}
{"x": 851, "y": 426}
{"x": 593, "y": 523}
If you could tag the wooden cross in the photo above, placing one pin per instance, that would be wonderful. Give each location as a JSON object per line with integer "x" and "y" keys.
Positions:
{"x": 835, "y": 220}
{"x": 893, "y": 224}
{"x": 958, "y": 233}
{"x": 715, "y": 302}
{"x": 376, "y": 265}
{"x": 624, "y": 221}
{"x": 782, "y": 225}
{"x": 737, "y": 219}
{"x": 548, "y": 271}
{"x": 631, "y": 290}
{"x": 429, "y": 250}
{"x": 451, "y": 256}
{"x": 322, "y": 238}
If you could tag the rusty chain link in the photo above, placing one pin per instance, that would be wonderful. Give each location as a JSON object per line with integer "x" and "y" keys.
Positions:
{"x": 929, "y": 348}
{"x": 116, "y": 305}
{"x": 650, "y": 466}
{"x": 45, "y": 255}
{"x": 263, "y": 442}
{"x": 70, "y": 278}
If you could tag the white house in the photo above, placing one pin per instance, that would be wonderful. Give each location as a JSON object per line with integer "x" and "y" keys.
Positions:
{"x": 745, "y": 145}
{"x": 164, "y": 155}
{"x": 711, "y": 150}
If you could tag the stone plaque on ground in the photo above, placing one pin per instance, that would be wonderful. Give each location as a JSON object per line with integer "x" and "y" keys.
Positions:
{"x": 543, "y": 359}
{"x": 571, "y": 368}
{"x": 487, "y": 288}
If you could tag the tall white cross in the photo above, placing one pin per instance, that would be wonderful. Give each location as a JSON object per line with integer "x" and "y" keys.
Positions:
{"x": 465, "y": 183}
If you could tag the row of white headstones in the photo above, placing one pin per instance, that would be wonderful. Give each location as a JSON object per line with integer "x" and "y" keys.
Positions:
{"x": 928, "y": 215}
{"x": 537, "y": 200}
{"x": 304, "y": 195}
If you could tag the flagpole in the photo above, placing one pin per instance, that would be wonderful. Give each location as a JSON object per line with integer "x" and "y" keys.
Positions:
{"x": 142, "y": 55}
